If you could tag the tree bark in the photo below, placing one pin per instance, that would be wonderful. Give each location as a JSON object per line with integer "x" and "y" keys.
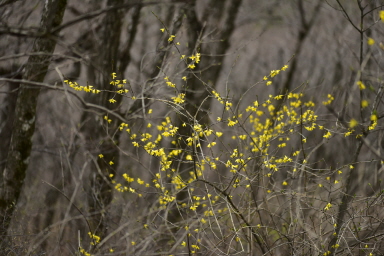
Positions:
{"x": 7, "y": 115}
{"x": 221, "y": 16}
{"x": 25, "y": 113}
{"x": 100, "y": 193}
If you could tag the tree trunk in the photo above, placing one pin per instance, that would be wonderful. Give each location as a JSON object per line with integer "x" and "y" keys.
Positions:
{"x": 100, "y": 193}
{"x": 221, "y": 16}
{"x": 25, "y": 113}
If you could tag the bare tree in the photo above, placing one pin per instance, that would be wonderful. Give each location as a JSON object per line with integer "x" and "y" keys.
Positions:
{"x": 25, "y": 112}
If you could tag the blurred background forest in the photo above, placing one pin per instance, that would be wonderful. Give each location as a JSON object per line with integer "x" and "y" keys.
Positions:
{"x": 61, "y": 149}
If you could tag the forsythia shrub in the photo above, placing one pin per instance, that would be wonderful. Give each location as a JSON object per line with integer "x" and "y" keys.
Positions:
{"x": 252, "y": 183}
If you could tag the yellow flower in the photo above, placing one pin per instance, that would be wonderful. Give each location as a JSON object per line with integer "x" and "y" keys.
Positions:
{"x": 211, "y": 144}
{"x": 327, "y": 135}
{"x": 162, "y": 30}
{"x": 381, "y": 13}
{"x": 269, "y": 83}
{"x": 364, "y": 103}
{"x": 171, "y": 37}
{"x": 278, "y": 97}
{"x": 285, "y": 183}
{"x": 327, "y": 207}
{"x": 330, "y": 99}
{"x": 372, "y": 126}
{"x": 370, "y": 41}
{"x": 189, "y": 157}
{"x": 113, "y": 75}
{"x": 101, "y": 155}
{"x": 170, "y": 84}
{"x": 231, "y": 123}
{"x": 228, "y": 105}
{"x": 179, "y": 99}
{"x": 112, "y": 100}
{"x": 218, "y": 134}
{"x": 274, "y": 73}
{"x": 361, "y": 85}
{"x": 242, "y": 137}
{"x": 353, "y": 123}
{"x": 184, "y": 78}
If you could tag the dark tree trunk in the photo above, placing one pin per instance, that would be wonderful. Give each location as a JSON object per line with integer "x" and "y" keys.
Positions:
{"x": 100, "y": 193}
{"x": 25, "y": 113}
{"x": 220, "y": 17}
{"x": 7, "y": 115}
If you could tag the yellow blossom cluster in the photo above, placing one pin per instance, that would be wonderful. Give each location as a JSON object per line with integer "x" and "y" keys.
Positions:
{"x": 77, "y": 87}
{"x": 329, "y": 101}
{"x": 270, "y": 146}
{"x": 272, "y": 74}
